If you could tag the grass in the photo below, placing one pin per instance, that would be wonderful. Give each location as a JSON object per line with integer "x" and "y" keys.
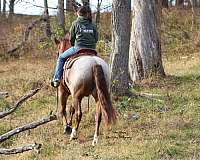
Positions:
{"x": 164, "y": 128}
{"x": 167, "y": 128}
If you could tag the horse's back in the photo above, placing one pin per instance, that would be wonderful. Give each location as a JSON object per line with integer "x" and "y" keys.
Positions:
{"x": 81, "y": 72}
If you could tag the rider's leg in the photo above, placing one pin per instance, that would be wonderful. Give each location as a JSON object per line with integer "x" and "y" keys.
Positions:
{"x": 60, "y": 65}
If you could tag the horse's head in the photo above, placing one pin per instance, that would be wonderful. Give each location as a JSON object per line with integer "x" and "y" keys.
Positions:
{"x": 62, "y": 45}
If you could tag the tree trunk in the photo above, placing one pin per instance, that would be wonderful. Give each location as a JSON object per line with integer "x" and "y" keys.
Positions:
{"x": 11, "y": 8}
{"x": 4, "y": 7}
{"x": 145, "y": 50}
{"x": 46, "y": 15}
{"x": 69, "y": 6}
{"x": 165, "y": 3}
{"x": 98, "y": 12}
{"x": 179, "y": 3}
{"x": 86, "y": 2}
{"x": 121, "y": 25}
{"x": 0, "y": 6}
{"x": 193, "y": 14}
{"x": 198, "y": 3}
{"x": 61, "y": 15}
{"x": 170, "y": 3}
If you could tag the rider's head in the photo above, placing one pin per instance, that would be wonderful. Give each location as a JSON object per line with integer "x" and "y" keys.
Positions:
{"x": 82, "y": 11}
{"x": 85, "y": 11}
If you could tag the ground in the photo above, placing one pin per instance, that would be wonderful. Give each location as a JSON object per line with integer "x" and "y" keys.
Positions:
{"x": 161, "y": 122}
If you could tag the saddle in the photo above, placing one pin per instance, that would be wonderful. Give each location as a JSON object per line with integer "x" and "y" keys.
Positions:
{"x": 82, "y": 52}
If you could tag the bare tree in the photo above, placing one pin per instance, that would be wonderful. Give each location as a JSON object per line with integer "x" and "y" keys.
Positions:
{"x": 179, "y": 3}
{"x": 193, "y": 4}
{"x": 11, "y": 8}
{"x": 61, "y": 15}
{"x": 46, "y": 15}
{"x": 4, "y": 8}
{"x": 170, "y": 3}
{"x": 0, "y": 6}
{"x": 165, "y": 3}
{"x": 198, "y": 3}
{"x": 121, "y": 18}
{"x": 145, "y": 49}
{"x": 86, "y": 2}
{"x": 98, "y": 12}
{"x": 69, "y": 6}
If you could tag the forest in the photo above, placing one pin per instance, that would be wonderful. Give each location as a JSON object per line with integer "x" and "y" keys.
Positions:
{"x": 149, "y": 58}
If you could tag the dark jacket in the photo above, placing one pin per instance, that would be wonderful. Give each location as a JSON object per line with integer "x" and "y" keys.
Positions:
{"x": 83, "y": 33}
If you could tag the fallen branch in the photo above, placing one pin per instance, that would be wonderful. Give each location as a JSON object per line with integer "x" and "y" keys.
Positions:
{"x": 19, "y": 103}
{"x": 3, "y": 95}
{"x": 32, "y": 125}
{"x": 21, "y": 149}
{"x": 149, "y": 96}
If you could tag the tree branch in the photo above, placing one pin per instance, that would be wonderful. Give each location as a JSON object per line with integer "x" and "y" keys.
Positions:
{"x": 3, "y": 95}
{"x": 21, "y": 149}
{"x": 19, "y": 103}
{"x": 32, "y": 125}
{"x": 39, "y": 5}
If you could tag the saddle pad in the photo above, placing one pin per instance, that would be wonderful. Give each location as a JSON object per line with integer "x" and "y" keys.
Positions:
{"x": 82, "y": 52}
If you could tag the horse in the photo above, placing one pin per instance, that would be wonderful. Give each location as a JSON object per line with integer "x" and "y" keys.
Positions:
{"x": 88, "y": 75}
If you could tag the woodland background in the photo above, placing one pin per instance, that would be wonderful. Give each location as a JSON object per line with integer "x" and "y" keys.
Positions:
{"x": 158, "y": 112}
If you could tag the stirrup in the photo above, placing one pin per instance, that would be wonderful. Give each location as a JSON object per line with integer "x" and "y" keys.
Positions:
{"x": 55, "y": 83}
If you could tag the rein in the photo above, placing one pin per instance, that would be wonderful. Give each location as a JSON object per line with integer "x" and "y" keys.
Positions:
{"x": 57, "y": 90}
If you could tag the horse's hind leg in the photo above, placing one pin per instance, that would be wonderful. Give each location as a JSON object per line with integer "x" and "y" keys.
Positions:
{"x": 98, "y": 121}
{"x": 68, "y": 128}
{"x": 78, "y": 116}
{"x": 63, "y": 95}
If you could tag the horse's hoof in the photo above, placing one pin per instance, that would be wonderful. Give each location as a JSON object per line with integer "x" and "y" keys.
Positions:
{"x": 73, "y": 135}
{"x": 95, "y": 140}
{"x": 68, "y": 129}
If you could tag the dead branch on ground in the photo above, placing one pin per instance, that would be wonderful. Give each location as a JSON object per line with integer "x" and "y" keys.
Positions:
{"x": 148, "y": 96}
{"x": 21, "y": 149}
{"x": 29, "y": 126}
{"x": 3, "y": 95}
{"x": 19, "y": 103}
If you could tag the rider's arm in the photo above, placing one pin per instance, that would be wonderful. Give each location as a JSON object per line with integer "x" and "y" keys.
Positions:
{"x": 72, "y": 34}
{"x": 96, "y": 33}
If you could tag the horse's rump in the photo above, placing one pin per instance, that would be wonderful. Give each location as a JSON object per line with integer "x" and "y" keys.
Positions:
{"x": 81, "y": 72}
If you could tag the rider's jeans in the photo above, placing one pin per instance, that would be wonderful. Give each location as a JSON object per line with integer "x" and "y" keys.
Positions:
{"x": 61, "y": 61}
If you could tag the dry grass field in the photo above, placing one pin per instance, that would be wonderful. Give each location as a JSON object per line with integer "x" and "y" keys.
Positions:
{"x": 165, "y": 127}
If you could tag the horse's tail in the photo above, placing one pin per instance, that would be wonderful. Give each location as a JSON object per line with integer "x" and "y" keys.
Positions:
{"x": 103, "y": 95}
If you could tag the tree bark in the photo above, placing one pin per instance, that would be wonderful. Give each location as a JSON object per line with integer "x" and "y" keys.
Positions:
{"x": 165, "y": 3}
{"x": 145, "y": 49}
{"x": 98, "y": 12}
{"x": 69, "y": 6}
{"x": 86, "y": 2}
{"x": 179, "y": 3}
{"x": 4, "y": 8}
{"x": 170, "y": 3}
{"x": 198, "y": 3}
{"x": 11, "y": 8}
{"x": 121, "y": 25}
{"x": 61, "y": 15}
{"x": 192, "y": 2}
{"x": 46, "y": 16}
{"x": 0, "y": 6}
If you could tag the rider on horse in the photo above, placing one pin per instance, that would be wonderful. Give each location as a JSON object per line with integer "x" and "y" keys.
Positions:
{"x": 83, "y": 34}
